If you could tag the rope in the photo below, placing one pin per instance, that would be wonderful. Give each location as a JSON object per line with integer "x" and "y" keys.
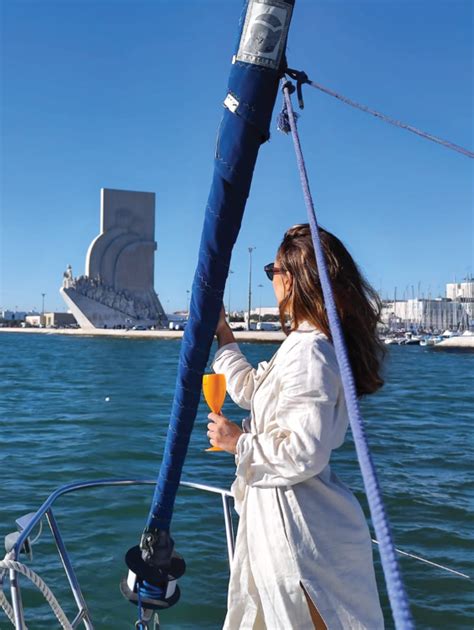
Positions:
{"x": 6, "y": 563}
{"x": 138, "y": 624}
{"x": 301, "y": 78}
{"x": 5, "y": 604}
{"x": 430, "y": 562}
{"x": 396, "y": 591}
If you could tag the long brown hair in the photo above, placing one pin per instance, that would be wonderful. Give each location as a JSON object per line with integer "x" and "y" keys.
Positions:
{"x": 357, "y": 303}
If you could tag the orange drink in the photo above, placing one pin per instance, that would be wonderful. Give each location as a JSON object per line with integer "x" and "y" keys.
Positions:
{"x": 214, "y": 389}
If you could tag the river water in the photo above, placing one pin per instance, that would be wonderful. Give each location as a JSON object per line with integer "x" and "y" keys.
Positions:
{"x": 79, "y": 408}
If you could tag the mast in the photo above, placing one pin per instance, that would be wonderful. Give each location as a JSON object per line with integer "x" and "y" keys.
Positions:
{"x": 257, "y": 66}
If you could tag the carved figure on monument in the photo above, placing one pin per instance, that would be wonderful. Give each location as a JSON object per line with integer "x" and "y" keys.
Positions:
{"x": 119, "y": 281}
{"x": 109, "y": 298}
{"x": 99, "y": 293}
{"x": 67, "y": 277}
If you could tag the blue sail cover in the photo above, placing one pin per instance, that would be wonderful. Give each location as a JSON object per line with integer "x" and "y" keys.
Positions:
{"x": 253, "y": 84}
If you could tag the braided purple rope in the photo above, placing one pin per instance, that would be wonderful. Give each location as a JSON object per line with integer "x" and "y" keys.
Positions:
{"x": 396, "y": 591}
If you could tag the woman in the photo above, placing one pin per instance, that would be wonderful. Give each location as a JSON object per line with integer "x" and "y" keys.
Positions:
{"x": 303, "y": 556}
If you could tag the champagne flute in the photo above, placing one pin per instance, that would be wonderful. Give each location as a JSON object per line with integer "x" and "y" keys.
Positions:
{"x": 214, "y": 389}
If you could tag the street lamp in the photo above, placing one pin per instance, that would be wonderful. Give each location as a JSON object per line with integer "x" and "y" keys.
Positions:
{"x": 250, "y": 284}
{"x": 42, "y": 309}
{"x": 260, "y": 286}
{"x": 187, "y": 303}
{"x": 228, "y": 292}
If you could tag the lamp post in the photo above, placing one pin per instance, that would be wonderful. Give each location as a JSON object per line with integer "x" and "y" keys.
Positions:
{"x": 42, "y": 309}
{"x": 187, "y": 303}
{"x": 228, "y": 293}
{"x": 250, "y": 285}
{"x": 260, "y": 286}
{"x": 395, "y": 308}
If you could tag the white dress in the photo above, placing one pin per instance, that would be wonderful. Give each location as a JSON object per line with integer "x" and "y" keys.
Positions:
{"x": 299, "y": 524}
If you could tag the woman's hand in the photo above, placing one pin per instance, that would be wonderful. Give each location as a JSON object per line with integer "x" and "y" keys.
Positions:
{"x": 223, "y": 433}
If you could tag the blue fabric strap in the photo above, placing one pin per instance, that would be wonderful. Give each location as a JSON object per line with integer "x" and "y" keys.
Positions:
{"x": 396, "y": 591}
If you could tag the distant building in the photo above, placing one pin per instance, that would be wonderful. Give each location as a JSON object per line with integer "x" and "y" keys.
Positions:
{"x": 453, "y": 312}
{"x": 265, "y": 310}
{"x": 460, "y": 290}
{"x": 438, "y": 314}
{"x": 13, "y": 316}
{"x": 34, "y": 320}
{"x": 51, "y": 320}
{"x": 59, "y": 319}
{"x": 463, "y": 292}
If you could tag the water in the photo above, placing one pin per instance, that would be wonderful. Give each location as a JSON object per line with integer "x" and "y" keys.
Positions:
{"x": 57, "y": 426}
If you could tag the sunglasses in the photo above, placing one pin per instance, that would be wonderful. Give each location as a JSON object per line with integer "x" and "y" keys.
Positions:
{"x": 271, "y": 270}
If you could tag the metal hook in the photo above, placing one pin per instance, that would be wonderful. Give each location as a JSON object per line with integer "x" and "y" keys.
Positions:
{"x": 147, "y": 615}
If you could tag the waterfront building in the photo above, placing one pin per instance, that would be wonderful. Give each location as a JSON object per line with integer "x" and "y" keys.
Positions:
{"x": 265, "y": 310}
{"x": 58, "y": 320}
{"x": 438, "y": 314}
{"x": 51, "y": 320}
{"x": 34, "y": 320}
{"x": 453, "y": 312}
{"x": 463, "y": 292}
{"x": 12, "y": 316}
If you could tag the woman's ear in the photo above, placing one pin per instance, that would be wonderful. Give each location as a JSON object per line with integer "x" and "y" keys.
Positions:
{"x": 287, "y": 282}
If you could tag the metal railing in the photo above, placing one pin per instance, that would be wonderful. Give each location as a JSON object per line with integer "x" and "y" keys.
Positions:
{"x": 28, "y": 524}
{"x": 46, "y": 511}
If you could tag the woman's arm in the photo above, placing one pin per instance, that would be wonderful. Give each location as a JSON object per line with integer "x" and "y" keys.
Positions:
{"x": 229, "y": 360}
{"x": 300, "y": 444}
{"x": 224, "y": 332}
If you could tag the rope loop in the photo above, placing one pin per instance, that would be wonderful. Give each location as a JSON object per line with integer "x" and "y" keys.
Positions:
{"x": 301, "y": 78}
{"x": 288, "y": 85}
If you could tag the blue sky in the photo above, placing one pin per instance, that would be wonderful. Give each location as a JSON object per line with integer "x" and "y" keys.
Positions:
{"x": 128, "y": 94}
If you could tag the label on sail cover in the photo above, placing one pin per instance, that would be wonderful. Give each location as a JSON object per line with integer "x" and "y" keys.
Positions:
{"x": 264, "y": 33}
{"x": 231, "y": 103}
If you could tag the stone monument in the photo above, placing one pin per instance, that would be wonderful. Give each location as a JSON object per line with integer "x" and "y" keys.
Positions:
{"x": 117, "y": 289}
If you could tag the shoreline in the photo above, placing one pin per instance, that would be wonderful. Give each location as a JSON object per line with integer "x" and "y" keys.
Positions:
{"x": 254, "y": 336}
{"x": 251, "y": 336}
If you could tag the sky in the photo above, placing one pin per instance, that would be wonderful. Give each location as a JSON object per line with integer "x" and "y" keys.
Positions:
{"x": 128, "y": 94}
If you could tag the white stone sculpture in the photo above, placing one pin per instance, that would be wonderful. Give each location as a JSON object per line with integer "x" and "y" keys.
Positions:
{"x": 119, "y": 279}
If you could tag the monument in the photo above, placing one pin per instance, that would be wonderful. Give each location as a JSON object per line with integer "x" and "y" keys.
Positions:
{"x": 117, "y": 289}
